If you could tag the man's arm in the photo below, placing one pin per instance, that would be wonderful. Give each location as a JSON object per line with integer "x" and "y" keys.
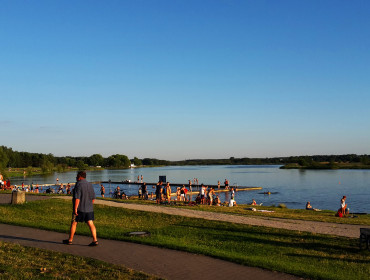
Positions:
{"x": 77, "y": 202}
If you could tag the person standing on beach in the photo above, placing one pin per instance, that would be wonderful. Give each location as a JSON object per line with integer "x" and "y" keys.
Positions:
{"x": 168, "y": 192}
{"x": 158, "y": 192}
{"x": 343, "y": 205}
{"x": 144, "y": 191}
{"x": 226, "y": 184}
{"x": 102, "y": 190}
{"x": 202, "y": 193}
{"x": 83, "y": 208}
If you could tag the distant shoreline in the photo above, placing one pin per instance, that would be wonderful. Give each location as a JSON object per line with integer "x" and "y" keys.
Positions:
{"x": 326, "y": 166}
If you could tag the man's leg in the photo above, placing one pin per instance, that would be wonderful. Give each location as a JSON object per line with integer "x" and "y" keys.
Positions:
{"x": 72, "y": 230}
{"x": 93, "y": 230}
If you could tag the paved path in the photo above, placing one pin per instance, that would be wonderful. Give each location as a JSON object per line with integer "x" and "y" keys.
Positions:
{"x": 165, "y": 263}
{"x": 352, "y": 231}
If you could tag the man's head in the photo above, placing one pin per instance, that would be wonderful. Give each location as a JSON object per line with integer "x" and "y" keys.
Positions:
{"x": 81, "y": 175}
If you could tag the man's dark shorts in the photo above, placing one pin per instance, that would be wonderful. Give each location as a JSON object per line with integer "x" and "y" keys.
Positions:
{"x": 83, "y": 217}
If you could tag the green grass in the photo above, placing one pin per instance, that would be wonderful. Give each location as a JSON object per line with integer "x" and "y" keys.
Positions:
{"x": 308, "y": 255}
{"x": 284, "y": 213}
{"x": 19, "y": 262}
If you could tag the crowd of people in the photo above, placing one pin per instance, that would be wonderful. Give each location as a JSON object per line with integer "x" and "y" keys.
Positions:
{"x": 35, "y": 188}
{"x": 204, "y": 195}
{"x": 4, "y": 184}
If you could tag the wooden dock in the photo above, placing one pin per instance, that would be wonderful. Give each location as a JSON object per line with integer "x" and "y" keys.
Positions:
{"x": 221, "y": 189}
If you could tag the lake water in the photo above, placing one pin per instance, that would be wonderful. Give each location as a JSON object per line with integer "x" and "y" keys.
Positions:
{"x": 323, "y": 188}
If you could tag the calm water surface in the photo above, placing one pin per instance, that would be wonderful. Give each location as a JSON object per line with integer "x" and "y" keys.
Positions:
{"x": 323, "y": 188}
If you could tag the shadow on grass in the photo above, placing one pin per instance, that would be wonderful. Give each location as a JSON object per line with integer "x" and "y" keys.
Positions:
{"x": 11, "y": 238}
{"x": 273, "y": 238}
{"x": 347, "y": 260}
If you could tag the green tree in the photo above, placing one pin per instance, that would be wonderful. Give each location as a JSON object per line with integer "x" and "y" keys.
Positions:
{"x": 365, "y": 160}
{"x": 47, "y": 167}
{"x": 118, "y": 161}
{"x": 137, "y": 161}
{"x": 81, "y": 165}
{"x": 3, "y": 158}
{"x": 61, "y": 168}
{"x": 96, "y": 160}
{"x": 29, "y": 171}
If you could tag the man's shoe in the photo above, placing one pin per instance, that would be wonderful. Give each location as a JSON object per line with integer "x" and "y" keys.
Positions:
{"x": 67, "y": 242}
{"x": 94, "y": 243}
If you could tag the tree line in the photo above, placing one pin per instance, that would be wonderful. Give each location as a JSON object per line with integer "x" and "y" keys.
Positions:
{"x": 15, "y": 159}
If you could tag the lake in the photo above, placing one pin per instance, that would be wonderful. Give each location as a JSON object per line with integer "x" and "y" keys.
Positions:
{"x": 323, "y": 188}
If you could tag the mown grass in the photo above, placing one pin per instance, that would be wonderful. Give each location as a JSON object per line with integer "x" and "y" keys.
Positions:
{"x": 19, "y": 262}
{"x": 308, "y": 255}
{"x": 284, "y": 213}
{"x": 242, "y": 209}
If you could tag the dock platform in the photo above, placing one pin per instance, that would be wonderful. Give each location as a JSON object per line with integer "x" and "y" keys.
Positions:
{"x": 221, "y": 189}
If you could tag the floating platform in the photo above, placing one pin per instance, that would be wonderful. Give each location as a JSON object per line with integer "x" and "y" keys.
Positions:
{"x": 196, "y": 187}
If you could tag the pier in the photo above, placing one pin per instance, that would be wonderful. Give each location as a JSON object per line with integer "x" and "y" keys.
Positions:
{"x": 221, "y": 189}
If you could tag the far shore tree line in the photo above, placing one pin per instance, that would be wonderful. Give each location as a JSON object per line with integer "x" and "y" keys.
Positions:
{"x": 48, "y": 163}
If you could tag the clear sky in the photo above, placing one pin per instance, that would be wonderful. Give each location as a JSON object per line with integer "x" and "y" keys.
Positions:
{"x": 182, "y": 79}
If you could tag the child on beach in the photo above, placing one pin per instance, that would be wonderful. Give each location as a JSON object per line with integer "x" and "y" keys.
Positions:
{"x": 178, "y": 192}
{"x": 343, "y": 205}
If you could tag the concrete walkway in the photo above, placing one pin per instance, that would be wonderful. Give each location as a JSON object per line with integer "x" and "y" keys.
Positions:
{"x": 165, "y": 263}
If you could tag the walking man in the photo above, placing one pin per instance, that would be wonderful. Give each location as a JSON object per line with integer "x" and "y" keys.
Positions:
{"x": 83, "y": 211}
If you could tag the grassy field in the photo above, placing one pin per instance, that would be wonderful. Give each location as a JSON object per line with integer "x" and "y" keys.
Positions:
{"x": 19, "y": 262}
{"x": 308, "y": 255}
{"x": 284, "y": 213}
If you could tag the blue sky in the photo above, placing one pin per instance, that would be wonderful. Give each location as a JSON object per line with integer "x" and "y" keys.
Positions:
{"x": 185, "y": 79}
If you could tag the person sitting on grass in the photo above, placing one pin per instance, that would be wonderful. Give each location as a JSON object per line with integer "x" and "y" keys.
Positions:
{"x": 232, "y": 202}
{"x": 253, "y": 202}
{"x": 198, "y": 199}
{"x": 309, "y": 207}
{"x": 123, "y": 195}
{"x": 217, "y": 201}
{"x": 116, "y": 193}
